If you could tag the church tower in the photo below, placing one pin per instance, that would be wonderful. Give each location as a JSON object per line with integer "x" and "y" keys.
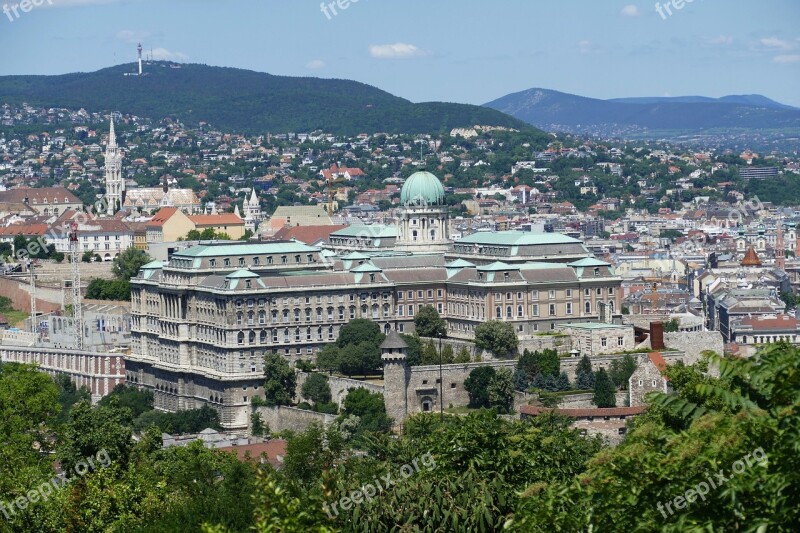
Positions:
{"x": 424, "y": 218}
{"x": 115, "y": 184}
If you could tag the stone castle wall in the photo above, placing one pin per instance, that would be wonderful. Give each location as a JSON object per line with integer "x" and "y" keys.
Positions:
{"x": 282, "y": 418}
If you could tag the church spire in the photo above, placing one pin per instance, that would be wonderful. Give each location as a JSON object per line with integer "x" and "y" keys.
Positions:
{"x": 112, "y": 136}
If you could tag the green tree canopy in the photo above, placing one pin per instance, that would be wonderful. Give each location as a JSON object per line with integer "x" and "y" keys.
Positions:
{"x": 316, "y": 388}
{"x": 496, "y": 336}
{"x": 281, "y": 380}
{"x": 127, "y": 264}
{"x": 604, "y": 390}
{"x": 428, "y": 323}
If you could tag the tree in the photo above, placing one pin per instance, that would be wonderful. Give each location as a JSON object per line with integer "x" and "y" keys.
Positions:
{"x": 316, "y": 388}
{"x": 672, "y": 325}
{"x": 414, "y": 350}
{"x": 138, "y": 401}
{"x": 428, "y": 323}
{"x": 789, "y": 299}
{"x": 281, "y": 380}
{"x": 447, "y": 355}
{"x": 584, "y": 375}
{"x": 604, "y": 390}
{"x": 521, "y": 382}
{"x": 743, "y": 422}
{"x": 548, "y": 362}
{"x": 529, "y": 364}
{"x": 370, "y": 408}
{"x": 360, "y": 330}
{"x": 477, "y": 386}
{"x": 362, "y": 358}
{"x": 127, "y": 264}
{"x": 328, "y": 358}
{"x": 621, "y": 370}
{"x": 108, "y": 289}
{"x": 92, "y": 430}
{"x": 429, "y": 354}
{"x": 500, "y": 392}
{"x": 497, "y": 337}
{"x": 562, "y": 382}
{"x": 463, "y": 356}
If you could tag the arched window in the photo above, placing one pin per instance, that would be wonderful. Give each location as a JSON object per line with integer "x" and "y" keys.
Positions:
{"x": 239, "y": 318}
{"x": 414, "y": 235}
{"x": 240, "y": 338}
{"x": 262, "y": 317}
{"x": 252, "y": 337}
{"x": 519, "y": 311}
{"x": 498, "y": 312}
{"x": 588, "y": 308}
{"x": 263, "y": 337}
{"x": 508, "y": 312}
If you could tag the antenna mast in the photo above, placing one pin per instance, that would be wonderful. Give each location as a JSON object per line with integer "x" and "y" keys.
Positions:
{"x": 77, "y": 311}
{"x": 33, "y": 295}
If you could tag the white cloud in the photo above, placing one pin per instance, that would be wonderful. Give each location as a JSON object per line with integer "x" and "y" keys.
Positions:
{"x": 166, "y": 55}
{"x": 793, "y": 58}
{"x": 721, "y": 40}
{"x": 395, "y": 51}
{"x": 131, "y": 36}
{"x": 631, "y": 10}
{"x": 586, "y": 47}
{"x": 315, "y": 64}
{"x": 774, "y": 42}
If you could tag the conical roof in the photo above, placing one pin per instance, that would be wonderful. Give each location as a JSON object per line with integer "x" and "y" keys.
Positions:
{"x": 394, "y": 342}
{"x": 751, "y": 258}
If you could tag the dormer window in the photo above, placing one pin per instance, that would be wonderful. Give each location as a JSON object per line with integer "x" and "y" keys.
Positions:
{"x": 596, "y": 272}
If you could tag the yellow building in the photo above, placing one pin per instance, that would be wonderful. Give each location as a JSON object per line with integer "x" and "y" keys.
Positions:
{"x": 229, "y": 223}
{"x": 168, "y": 225}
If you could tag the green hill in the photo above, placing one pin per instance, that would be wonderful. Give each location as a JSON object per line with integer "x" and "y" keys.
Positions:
{"x": 246, "y": 101}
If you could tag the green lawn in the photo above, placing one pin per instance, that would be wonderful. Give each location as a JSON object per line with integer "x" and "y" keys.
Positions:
{"x": 15, "y": 317}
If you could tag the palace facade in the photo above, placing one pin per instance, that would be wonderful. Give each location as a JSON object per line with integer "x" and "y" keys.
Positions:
{"x": 202, "y": 323}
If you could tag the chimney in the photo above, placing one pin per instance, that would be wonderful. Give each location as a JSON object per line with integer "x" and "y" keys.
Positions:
{"x": 657, "y": 336}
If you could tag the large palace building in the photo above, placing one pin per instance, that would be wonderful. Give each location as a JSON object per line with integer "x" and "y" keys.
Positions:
{"x": 202, "y": 323}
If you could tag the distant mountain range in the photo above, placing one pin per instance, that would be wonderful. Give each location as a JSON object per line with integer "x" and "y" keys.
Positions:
{"x": 245, "y": 101}
{"x": 557, "y": 111}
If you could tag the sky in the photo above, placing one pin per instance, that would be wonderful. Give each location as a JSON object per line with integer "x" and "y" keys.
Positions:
{"x": 465, "y": 51}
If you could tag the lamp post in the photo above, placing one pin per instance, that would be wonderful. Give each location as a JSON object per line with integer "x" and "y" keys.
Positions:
{"x": 441, "y": 382}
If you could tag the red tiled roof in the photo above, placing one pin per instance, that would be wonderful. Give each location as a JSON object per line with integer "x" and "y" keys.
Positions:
{"x": 162, "y": 216}
{"x": 275, "y": 450}
{"x": 532, "y": 410}
{"x": 751, "y": 258}
{"x": 306, "y": 234}
{"x": 658, "y": 360}
{"x": 24, "y": 229}
{"x": 779, "y": 323}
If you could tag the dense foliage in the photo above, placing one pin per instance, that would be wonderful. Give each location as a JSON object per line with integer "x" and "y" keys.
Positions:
{"x": 246, "y": 101}
{"x": 497, "y": 337}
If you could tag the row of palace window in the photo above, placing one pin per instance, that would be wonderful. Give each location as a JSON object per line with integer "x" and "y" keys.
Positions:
{"x": 270, "y": 260}
{"x": 420, "y": 294}
{"x": 251, "y": 302}
{"x": 288, "y": 335}
{"x": 552, "y": 310}
{"x": 298, "y": 315}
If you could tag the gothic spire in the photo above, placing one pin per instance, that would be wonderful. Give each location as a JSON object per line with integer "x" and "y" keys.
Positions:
{"x": 112, "y": 136}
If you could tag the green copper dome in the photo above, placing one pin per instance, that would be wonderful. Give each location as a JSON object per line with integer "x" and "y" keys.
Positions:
{"x": 422, "y": 188}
